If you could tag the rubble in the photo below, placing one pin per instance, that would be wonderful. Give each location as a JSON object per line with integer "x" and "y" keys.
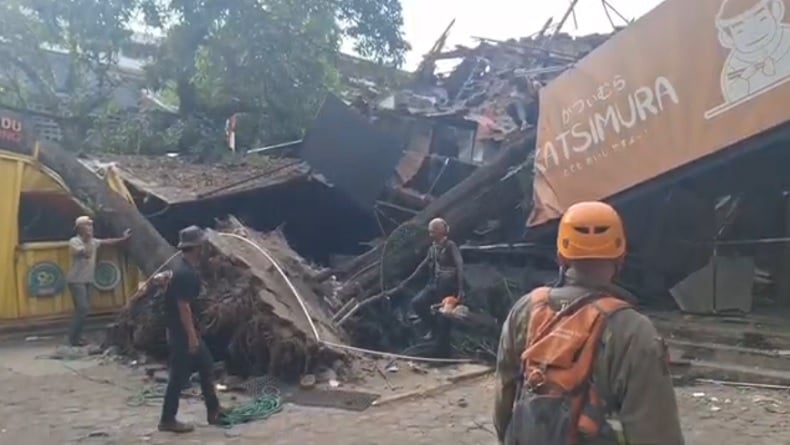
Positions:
{"x": 247, "y": 315}
{"x": 493, "y": 81}
{"x": 482, "y": 114}
{"x": 449, "y": 124}
{"x": 482, "y": 196}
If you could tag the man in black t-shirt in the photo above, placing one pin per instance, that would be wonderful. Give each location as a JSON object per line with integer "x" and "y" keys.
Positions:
{"x": 187, "y": 349}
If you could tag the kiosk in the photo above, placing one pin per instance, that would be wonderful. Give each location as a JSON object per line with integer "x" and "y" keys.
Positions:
{"x": 38, "y": 220}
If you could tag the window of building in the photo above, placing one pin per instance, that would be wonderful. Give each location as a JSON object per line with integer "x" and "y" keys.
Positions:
{"x": 46, "y": 217}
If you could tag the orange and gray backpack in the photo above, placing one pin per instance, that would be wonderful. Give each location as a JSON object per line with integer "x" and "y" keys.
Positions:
{"x": 558, "y": 402}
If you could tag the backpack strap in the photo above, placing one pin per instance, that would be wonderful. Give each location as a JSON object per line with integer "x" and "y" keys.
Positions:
{"x": 606, "y": 306}
{"x": 590, "y": 409}
{"x": 609, "y": 305}
{"x": 538, "y": 302}
{"x": 540, "y": 313}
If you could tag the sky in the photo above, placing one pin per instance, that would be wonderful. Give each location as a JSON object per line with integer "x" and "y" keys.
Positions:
{"x": 424, "y": 20}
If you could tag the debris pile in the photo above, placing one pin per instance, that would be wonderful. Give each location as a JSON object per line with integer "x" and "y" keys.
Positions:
{"x": 495, "y": 88}
{"x": 495, "y": 84}
{"x": 451, "y": 124}
{"x": 247, "y": 313}
{"x": 464, "y": 133}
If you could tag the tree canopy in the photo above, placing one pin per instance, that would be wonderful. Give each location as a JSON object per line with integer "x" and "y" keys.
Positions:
{"x": 59, "y": 57}
{"x": 270, "y": 61}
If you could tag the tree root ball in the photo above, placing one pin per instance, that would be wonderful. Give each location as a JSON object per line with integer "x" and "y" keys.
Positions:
{"x": 237, "y": 324}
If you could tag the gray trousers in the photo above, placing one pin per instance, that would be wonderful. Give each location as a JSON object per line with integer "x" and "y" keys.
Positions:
{"x": 80, "y": 294}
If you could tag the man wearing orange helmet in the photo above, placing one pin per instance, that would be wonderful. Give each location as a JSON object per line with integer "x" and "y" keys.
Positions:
{"x": 573, "y": 354}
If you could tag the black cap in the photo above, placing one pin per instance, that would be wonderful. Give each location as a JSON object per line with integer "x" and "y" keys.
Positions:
{"x": 192, "y": 236}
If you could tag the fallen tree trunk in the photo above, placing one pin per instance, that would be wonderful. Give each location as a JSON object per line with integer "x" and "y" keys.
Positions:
{"x": 147, "y": 248}
{"x": 249, "y": 317}
{"x": 481, "y": 196}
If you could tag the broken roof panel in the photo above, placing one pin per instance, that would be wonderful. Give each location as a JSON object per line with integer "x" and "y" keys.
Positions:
{"x": 175, "y": 180}
{"x": 356, "y": 156}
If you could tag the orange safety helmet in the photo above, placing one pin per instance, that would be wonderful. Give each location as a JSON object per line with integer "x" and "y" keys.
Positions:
{"x": 591, "y": 230}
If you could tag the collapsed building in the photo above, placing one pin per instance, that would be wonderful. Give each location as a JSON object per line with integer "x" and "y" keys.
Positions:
{"x": 308, "y": 193}
{"x": 635, "y": 134}
{"x": 690, "y": 153}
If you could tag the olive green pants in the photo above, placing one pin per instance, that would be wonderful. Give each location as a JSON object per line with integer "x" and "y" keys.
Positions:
{"x": 80, "y": 296}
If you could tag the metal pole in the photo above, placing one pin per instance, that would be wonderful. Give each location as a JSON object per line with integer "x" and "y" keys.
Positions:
{"x": 565, "y": 17}
{"x": 754, "y": 241}
{"x": 715, "y": 275}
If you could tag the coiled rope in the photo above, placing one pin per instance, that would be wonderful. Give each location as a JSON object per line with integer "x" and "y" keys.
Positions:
{"x": 261, "y": 408}
{"x": 268, "y": 403}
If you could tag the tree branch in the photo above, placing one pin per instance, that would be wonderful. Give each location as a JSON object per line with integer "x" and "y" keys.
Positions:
{"x": 43, "y": 87}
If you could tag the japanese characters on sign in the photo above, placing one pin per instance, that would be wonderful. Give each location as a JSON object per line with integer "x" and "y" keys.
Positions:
{"x": 601, "y": 94}
{"x": 608, "y": 119}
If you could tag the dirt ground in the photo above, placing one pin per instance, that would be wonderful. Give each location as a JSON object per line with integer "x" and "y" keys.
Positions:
{"x": 49, "y": 402}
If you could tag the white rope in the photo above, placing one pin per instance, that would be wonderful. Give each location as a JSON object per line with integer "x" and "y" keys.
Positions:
{"x": 151, "y": 276}
{"x": 312, "y": 325}
{"x": 400, "y": 356}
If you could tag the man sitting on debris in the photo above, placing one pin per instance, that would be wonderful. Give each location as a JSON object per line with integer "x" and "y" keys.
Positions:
{"x": 84, "y": 248}
{"x": 572, "y": 354}
{"x": 446, "y": 269}
{"x": 187, "y": 349}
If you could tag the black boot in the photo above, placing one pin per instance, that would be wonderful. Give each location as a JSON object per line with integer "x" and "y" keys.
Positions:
{"x": 174, "y": 426}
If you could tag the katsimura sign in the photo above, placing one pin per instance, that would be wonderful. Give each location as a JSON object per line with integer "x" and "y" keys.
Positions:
{"x": 688, "y": 79}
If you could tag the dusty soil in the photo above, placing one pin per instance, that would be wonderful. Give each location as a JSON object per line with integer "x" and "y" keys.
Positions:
{"x": 46, "y": 402}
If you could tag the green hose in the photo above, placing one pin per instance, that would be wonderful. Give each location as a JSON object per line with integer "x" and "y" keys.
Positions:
{"x": 259, "y": 409}
{"x": 147, "y": 396}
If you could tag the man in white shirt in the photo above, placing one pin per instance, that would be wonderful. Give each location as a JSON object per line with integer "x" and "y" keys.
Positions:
{"x": 80, "y": 279}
